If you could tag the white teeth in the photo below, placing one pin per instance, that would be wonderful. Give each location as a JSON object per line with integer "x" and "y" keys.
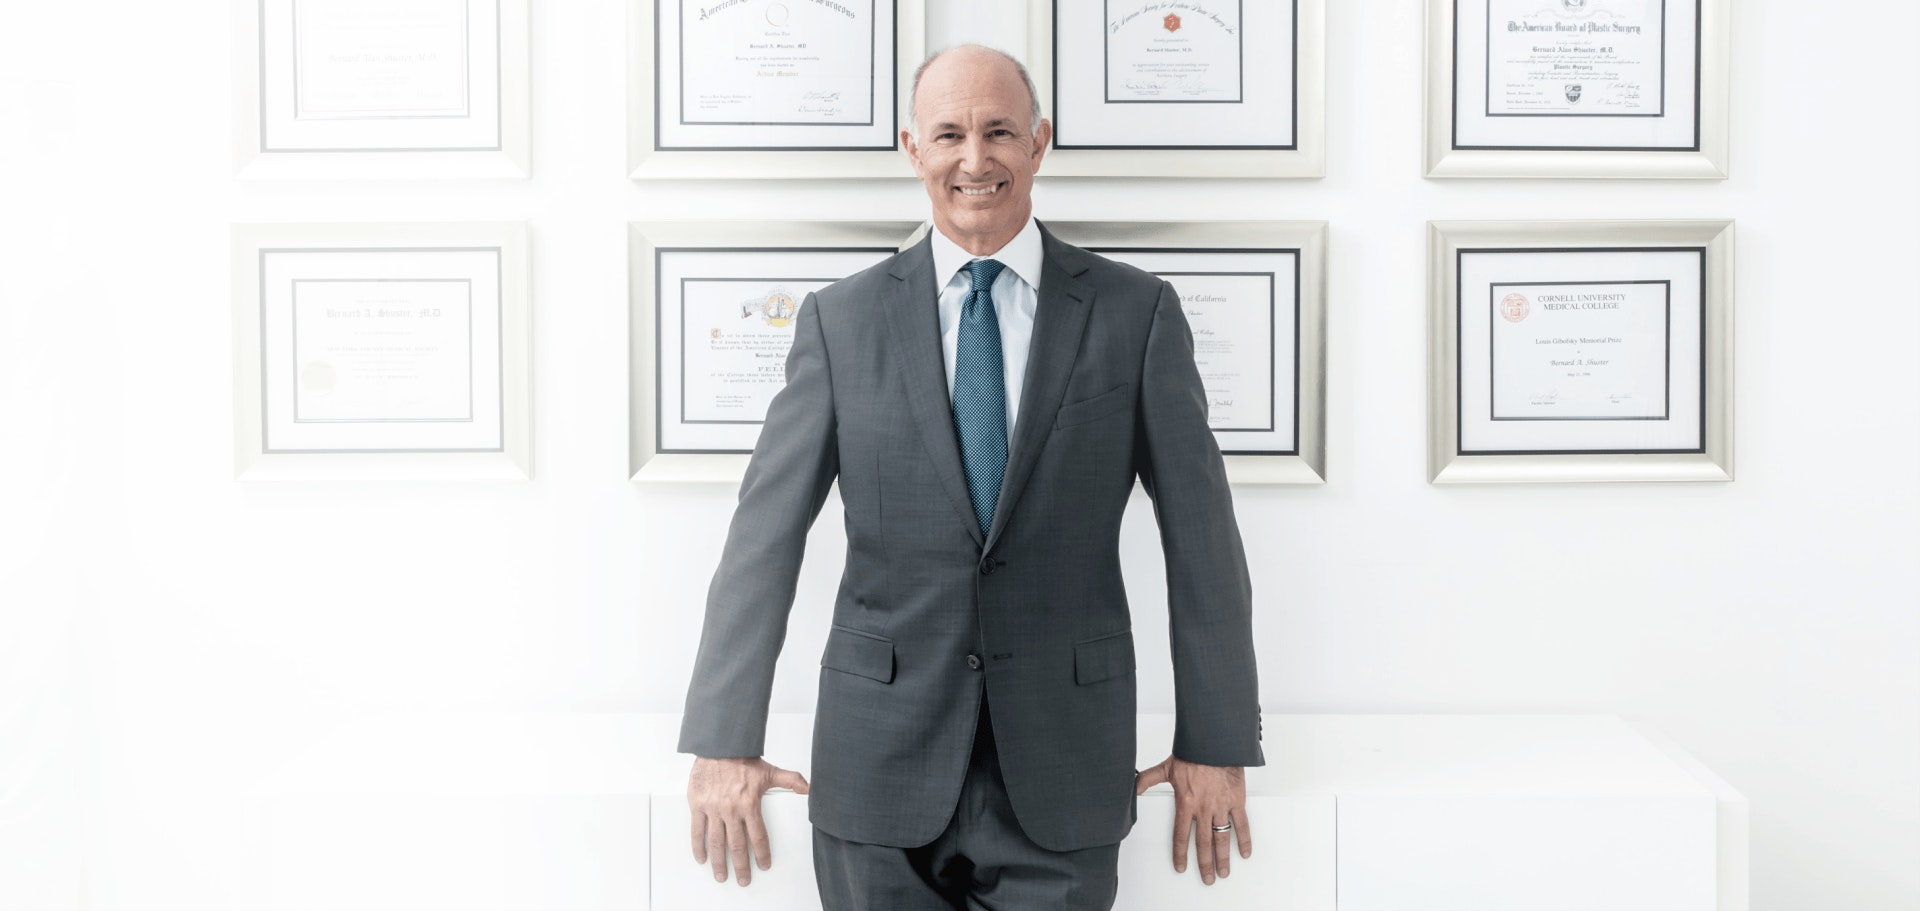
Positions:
{"x": 984, "y": 191}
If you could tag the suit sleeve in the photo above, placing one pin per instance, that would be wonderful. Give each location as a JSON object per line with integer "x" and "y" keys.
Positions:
{"x": 1209, "y": 594}
{"x": 786, "y": 482}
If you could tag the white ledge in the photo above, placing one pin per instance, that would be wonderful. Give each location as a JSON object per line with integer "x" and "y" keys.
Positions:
{"x": 1351, "y": 812}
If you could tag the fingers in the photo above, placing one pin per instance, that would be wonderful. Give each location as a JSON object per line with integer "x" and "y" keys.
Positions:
{"x": 1243, "y": 829}
{"x": 717, "y": 847}
{"x": 793, "y": 781}
{"x": 1182, "y": 824}
{"x": 762, "y": 846}
{"x": 699, "y": 835}
{"x": 1203, "y": 847}
{"x": 1217, "y": 849}
{"x": 737, "y": 847}
{"x": 1148, "y": 778}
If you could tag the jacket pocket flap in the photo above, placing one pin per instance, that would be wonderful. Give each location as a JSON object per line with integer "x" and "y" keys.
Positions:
{"x": 1103, "y": 658}
{"x": 859, "y": 653}
{"x": 1106, "y": 403}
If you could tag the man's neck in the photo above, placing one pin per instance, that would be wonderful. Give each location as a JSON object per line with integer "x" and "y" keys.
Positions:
{"x": 982, "y": 244}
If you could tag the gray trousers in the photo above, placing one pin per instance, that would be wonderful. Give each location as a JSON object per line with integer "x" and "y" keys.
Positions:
{"x": 982, "y": 862}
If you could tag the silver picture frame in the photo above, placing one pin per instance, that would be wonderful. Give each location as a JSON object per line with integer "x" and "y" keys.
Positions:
{"x": 496, "y": 253}
{"x": 1705, "y": 158}
{"x": 490, "y": 140}
{"x": 647, "y": 160}
{"x": 1707, "y": 384}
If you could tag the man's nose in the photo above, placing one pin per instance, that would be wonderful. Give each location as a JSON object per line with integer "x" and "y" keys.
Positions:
{"x": 973, "y": 155}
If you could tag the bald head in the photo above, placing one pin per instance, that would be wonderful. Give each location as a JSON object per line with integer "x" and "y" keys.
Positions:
{"x": 974, "y": 63}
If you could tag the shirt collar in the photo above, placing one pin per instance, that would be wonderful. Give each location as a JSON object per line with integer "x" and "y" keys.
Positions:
{"x": 1022, "y": 255}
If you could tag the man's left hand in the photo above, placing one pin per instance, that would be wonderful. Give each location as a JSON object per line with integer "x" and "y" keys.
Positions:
{"x": 1204, "y": 796}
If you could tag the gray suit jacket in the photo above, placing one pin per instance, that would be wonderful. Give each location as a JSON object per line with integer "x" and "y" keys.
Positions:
{"x": 930, "y": 612}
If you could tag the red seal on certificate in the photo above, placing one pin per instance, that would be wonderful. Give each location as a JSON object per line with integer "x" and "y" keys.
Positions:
{"x": 1172, "y": 22}
{"x": 1514, "y": 307}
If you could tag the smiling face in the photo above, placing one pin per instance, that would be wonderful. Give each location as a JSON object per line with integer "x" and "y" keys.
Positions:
{"x": 976, "y": 149}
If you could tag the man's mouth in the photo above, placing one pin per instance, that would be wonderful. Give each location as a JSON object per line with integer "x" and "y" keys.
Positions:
{"x": 980, "y": 191}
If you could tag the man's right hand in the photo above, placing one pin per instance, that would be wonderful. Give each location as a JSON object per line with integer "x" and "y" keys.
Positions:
{"x": 724, "y": 795}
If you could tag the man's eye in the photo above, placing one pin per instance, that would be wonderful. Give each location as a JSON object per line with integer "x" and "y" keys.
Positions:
{"x": 1003, "y": 132}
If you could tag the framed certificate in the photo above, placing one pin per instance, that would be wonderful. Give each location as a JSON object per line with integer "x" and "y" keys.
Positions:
{"x": 1577, "y": 88}
{"x": 1181, "y": 88}
{"x": 381, "y": 351}
{"x": 712, "y": 313}
{"x": 771, "y": 88}
{"x": 1581, "y": 351}
{"x": 1254, "y": 294}
{"x": 358, "y": 89}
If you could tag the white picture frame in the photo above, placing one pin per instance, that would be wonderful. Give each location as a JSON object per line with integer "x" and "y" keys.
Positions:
{"x": 1304, "y": 156}
{"x": 1649, "y": 145}
{"x": 275, "y": 265}
{"x": 666, "y": 439}
{"x": 1298, "y": 454}
{"x": 466, "y": 118}
{"x": 651, "y": 157}
{"x": 1685, "y": 363}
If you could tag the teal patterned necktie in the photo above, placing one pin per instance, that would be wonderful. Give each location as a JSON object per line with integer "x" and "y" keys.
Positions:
{"x": 980, "y": 393}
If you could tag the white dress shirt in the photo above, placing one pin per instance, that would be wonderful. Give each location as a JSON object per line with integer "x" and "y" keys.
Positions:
{"x": 1016, "y": 292}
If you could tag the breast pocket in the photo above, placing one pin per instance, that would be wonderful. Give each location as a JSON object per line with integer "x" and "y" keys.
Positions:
{"x": 1109, "y": 402}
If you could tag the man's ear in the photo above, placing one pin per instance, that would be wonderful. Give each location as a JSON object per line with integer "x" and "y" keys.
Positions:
{"x": 1042, "y": 138}
{"x": 911, "y": 149}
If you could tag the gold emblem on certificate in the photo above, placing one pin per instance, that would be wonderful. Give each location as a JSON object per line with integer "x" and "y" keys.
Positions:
{"x": 776, "y": 308}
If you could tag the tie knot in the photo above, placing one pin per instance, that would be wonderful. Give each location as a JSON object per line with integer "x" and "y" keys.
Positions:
{"x": 984, "y": 271}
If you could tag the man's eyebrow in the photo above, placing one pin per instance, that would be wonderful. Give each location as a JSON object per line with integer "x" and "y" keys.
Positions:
{"x": 946, "y": 126}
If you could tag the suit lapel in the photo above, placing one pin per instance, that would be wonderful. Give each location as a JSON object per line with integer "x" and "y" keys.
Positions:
{"x": 913, "y": 320}
{"x": 1059, "y": 320}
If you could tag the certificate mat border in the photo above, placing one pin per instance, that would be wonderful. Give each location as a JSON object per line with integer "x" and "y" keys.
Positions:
{"x": 645, "y": 161}
{"x": 873, "y": 76}
{"x": 1712, "y": 462}
{"x": 510, "y": 158}
{"x": 1666, "y": 404}
{"x": 1488, "y": 88}
{"x": 499, "y": 265}
{"x": 1240, "y": 85}
{"x": 1308, "y": 463}
{"x": 1706, "y": 160}
{"x": 647, "y": 463}
{"x": 252, "y": 461}
{"x": 1460, "y": 254}
{"x": 1305, "y": 158}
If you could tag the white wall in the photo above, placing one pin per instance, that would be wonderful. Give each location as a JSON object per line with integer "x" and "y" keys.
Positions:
{"x": 166, "y": 632}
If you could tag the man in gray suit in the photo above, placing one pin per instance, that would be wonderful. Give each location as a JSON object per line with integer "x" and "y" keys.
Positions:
{"x": 986, "y": 399}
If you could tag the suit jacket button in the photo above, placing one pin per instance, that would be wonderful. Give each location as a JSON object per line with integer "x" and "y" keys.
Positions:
{"x": 973, "y": 662}
{"x": 986, "y": 567}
